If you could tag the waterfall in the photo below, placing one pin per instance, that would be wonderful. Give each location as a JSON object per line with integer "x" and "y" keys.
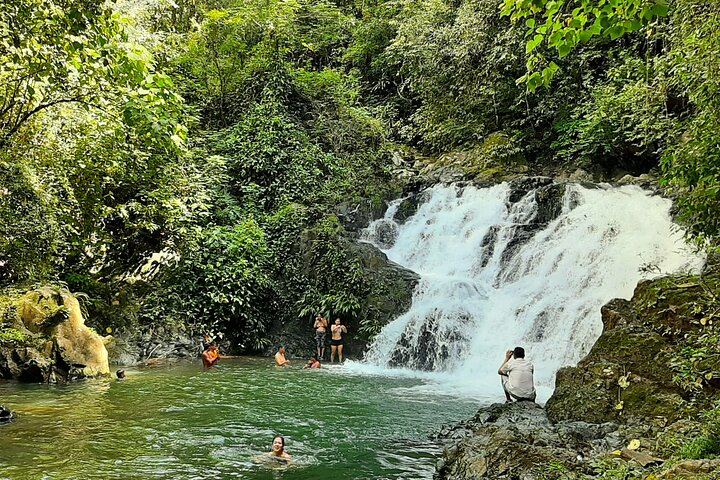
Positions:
{"x": 497, "y": 271}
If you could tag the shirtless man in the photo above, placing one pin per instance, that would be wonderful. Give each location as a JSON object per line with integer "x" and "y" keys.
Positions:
{"x": 320, "y": 327}
{"x": 280, "y": 359}
{"x": 336, "y": 341}
{"x": 211, "y": 356}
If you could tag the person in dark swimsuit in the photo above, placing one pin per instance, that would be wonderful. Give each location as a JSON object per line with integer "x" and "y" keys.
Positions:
{"x": 336, "y": 340}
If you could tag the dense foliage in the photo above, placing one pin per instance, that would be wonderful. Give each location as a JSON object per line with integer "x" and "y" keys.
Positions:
{"x": 184, "y": 163}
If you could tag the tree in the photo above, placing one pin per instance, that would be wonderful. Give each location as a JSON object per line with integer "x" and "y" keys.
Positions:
{"x": 560, "y": 25}
{"x": 76, "y": 52}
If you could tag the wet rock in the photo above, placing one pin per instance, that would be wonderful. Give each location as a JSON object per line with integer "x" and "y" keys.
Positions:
{"x": 521, "y": 187}
{"x": 385, "y": 233}
{"x": 425, "y": 348}
{"x": 407, "y": 208}
{"x": 517, "y": 441}
{"x": 355, "y": 216}
{"x": 644, "y": 180}
{"x": 548, "y": 198}
{"x": 6, "y": 416}
{"x": 136, "y": 350}
{"x": 627, "y": 377}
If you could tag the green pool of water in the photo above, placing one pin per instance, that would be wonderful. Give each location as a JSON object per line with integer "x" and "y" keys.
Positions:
{"x": 181, "y": 422}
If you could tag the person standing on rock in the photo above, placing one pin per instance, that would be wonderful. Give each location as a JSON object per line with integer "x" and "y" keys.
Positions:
{"x": 516, "y": 374}
{"x": 320, "y": 327}
{"x": 336, "y": 340}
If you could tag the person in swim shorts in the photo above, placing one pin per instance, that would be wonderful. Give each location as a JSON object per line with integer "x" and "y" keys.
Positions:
{"x": 336, "y": 340}
{"x": 320, "y": 327}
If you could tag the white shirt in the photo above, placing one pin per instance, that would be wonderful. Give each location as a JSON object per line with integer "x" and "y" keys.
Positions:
{"x": 520, "y": 377}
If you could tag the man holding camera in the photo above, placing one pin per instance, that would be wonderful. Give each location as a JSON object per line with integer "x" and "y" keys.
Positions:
{"x": 517, "y": 376}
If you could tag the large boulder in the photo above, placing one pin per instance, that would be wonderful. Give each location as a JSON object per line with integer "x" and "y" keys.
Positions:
{"x": 517, "y": 441}
{"x": 50, "y": 341}
{"x": 648, "y": 343}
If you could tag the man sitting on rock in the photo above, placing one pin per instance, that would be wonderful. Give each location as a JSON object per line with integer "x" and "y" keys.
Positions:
{"x": 517, "y": 376}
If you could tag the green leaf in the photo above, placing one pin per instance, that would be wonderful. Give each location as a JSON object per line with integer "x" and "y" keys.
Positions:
{"x": 615, "y": 32}
{"x": 534, "y": 81}
{"x": 533, "y": 44}
{"x": 660, "y": 10}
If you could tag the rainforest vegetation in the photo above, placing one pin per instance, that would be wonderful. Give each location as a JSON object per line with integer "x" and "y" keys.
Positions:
{"x": 181, "y": 162}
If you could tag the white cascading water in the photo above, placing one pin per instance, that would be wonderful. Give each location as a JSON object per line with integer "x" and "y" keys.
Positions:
{"x": 482, "y": 292}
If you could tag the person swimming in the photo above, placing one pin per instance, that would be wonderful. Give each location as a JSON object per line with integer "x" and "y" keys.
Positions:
{"x": 278, "y": 452}
{"x": 313, "y": 363}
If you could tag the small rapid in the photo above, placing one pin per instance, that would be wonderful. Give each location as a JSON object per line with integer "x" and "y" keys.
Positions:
{"x": 500, "y": 269}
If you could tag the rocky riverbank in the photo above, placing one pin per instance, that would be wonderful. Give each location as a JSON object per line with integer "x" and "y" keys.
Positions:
{"x": 643, "y": 404}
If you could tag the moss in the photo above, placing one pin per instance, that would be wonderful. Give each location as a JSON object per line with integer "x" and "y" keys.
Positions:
{"x": 12, "y": 335}
{"x": 662, "y": 343}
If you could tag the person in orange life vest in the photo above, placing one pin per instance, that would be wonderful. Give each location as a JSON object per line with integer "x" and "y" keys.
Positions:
{"x": 211, "y": 356}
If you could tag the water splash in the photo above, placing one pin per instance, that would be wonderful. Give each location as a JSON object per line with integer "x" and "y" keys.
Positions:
{"x": 493, "y": 276}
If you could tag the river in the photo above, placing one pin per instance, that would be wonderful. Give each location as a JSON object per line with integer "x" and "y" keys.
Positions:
{"x": 181, "y": 422}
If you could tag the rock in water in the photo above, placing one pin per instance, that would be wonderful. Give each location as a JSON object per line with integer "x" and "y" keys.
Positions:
{"x": 6, "y": 416}
{"x": 54, "y": 343}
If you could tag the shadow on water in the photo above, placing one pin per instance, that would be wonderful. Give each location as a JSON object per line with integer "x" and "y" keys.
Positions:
{"x": 184, "y": 423}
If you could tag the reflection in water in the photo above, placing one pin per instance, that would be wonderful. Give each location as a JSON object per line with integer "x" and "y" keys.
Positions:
{"x": 181, "y": 422}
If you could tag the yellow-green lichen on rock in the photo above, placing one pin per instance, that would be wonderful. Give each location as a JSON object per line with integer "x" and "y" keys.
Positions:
{"x": 52, "y": 342}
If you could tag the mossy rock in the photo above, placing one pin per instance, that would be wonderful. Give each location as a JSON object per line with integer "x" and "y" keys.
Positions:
{"x": 54, "y": 341}
{"x": 632, "y": 373}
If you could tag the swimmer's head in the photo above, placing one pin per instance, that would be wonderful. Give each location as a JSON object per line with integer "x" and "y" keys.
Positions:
{"x": 120, "y": 373}
{"x": 278, "y": 444}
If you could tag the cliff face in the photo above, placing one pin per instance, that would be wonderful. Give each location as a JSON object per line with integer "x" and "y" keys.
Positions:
{"x": 390, "y": 296}
{"x": 642, "y": 404}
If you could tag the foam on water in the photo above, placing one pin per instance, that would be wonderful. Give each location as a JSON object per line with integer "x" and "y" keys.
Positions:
{"x": 491, "y": 279}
